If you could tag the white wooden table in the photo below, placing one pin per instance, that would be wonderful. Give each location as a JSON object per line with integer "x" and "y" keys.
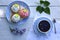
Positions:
{"x": 5, "y": 33}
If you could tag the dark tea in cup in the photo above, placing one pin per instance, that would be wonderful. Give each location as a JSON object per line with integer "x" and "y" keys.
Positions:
{"x": 43, "y": 26}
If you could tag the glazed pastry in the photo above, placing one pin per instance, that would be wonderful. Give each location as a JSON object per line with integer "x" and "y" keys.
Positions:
{"x": 15, "y": 18}
{"x": 15, "y": 8}
{"x": 23, "y": 13}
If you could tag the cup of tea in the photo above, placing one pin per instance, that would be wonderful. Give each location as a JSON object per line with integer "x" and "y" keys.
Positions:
{"x": 44, "y": 25}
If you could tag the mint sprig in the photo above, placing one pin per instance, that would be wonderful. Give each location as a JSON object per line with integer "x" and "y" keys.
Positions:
{"x": 46, "y": 3}
{"x": 46, "y": 8}
{"x": 41, "y": 2}
{"x": 40, "y": 9}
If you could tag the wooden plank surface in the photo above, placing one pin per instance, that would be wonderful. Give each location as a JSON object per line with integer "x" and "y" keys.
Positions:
{"x": 31, "y": 2}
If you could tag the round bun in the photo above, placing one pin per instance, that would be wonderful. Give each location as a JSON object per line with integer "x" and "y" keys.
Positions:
{"x": 15, "y": 8}
{"x": 15, "y": 18}
{"x": 23, "y": 13}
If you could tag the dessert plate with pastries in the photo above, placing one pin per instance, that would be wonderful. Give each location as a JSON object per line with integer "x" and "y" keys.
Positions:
{"x": 17, "y": 13}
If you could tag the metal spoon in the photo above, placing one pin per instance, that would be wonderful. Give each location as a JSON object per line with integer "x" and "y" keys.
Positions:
{"x": 54, "y": 21}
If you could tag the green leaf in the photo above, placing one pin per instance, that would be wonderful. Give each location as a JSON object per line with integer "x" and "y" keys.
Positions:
{"x": 40, "y": 9}
{"x": 41, "y": 2}
{"x": 46, "y": 3}
{"x": 47, "y": 10}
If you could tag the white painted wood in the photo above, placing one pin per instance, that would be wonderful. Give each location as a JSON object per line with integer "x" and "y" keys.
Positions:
{"x": 55, "y": 12}
{"x": 31, "y": 2}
